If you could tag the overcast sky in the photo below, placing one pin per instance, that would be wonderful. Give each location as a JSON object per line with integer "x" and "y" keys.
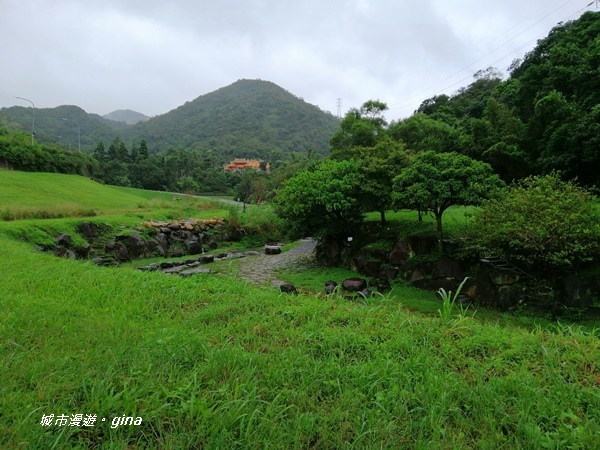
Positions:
{"x": 152, "y": 56}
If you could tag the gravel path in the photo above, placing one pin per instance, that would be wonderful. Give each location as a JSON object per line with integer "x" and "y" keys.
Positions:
{"x": 261, "y": 269}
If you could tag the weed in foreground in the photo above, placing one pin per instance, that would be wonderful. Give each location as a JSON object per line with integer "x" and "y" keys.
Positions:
{"x": 449, "y": 301}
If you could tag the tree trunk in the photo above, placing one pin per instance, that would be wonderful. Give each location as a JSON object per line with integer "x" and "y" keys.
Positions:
{"x": 420, "y": 215}
{"x": 440, "y": 233}
{"x": 383, "y": 221}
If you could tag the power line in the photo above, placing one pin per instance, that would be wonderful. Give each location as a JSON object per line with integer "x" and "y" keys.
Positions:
{"x": 406, "y": 103}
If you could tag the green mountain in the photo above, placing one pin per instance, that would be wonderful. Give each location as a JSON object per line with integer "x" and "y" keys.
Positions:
{"x": 65, "y": 125}
{"x": 126, "y": 115}
{"x": 249, "y": 118}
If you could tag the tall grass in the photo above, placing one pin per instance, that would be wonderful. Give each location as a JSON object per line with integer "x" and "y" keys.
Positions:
{"x": 211, "y": 362}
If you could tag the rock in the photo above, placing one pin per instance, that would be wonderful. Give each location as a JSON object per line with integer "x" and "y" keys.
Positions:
{"x": 251, "y": 253}
{"x": 193, "y": 247}
{"x": 206, "y": 259}
{"x": 575, "y": 292}
{"x": 366, "y": 292}
{"x": 64, "y": 239}
{"x": 422, "y": 245}
{"x": 463, "y": 300}
{"x": 399, "y": 254}
{"x": 354, "y": 284}
{"x": 288, "y": 288}
{"x": 504, "y": 277}
{"x": 330, "y": 287}
{"x": 361, "y": 258}
{"x": 88, "y": 230}
{"x": 331, "y": 252}
{"x": 448, "y": 284}
{"x": 177, "y": 251}
{"x": 176, "y": 269}
{"x": 447, "y": 267}
{"x": 149, "y": 267}
{"x": 166, "y": 265}
{"x": 195, "y": 271}
{"x": 104, "y": 261}
{"x": 82, "y": 252}
{"x": 135, "y": 244}
{"x": 389, "y": 272}
{"x": 62, "y": 252}
{"x": 371, "y": 268}
{"x": 118, "y": 250}
{"x": 272, "y": 250}
{"x": 382, "y": 284}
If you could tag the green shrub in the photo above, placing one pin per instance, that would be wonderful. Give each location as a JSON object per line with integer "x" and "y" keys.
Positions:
{"x": 544, "y": 222}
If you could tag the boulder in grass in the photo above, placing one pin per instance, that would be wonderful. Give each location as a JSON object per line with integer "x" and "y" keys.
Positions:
{"x": 272, "y": 249}
{"x": 354, "y": 284}
{"x": 288, "y": 288}
{"x": 330, "y": 287}
{"x": 64, "y": 239}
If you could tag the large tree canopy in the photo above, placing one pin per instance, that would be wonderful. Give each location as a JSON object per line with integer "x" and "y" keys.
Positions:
{"x": 548, "y": 224}
{"x": 323, "y": 200}
{"x": 435, "y": 181}
{"x": 362, "y": 127}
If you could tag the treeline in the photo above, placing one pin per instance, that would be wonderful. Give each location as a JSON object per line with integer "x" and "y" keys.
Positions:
{"x": 544, "y": 117}
{"x": 177, "y": 169}
{"x": 18, "y": 153}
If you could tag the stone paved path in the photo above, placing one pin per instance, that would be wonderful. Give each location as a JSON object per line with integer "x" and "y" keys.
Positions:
{"x": 261, "y": 269}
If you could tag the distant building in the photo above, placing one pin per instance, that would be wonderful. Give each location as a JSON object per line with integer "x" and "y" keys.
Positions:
{"x": 241, "y": 164}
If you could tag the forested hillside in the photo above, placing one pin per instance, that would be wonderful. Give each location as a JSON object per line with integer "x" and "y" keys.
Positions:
{"x": 52, "y": 128}
{"x": 250, "y": 118}
{"x": 544, "y": 117}
{"x": 126, "y": 115}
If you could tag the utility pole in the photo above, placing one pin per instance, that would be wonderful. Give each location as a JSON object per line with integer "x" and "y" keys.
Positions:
{"x": 339, "y": 108}
{"x": 32, "y": 120}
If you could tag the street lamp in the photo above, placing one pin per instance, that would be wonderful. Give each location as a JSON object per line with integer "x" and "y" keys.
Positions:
{"x": 78, "y": 132}
{"x": 33, "y": 116}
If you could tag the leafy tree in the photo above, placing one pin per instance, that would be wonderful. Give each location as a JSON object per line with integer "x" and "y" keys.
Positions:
{"x": 360, "y": 128}
{"x": 143, "y": 150}
{"x": 421, "y": 132}
{"x": 323, "y": 201}
{"x": 546, "y": 223}
{"x": 497, "y": 138}
{"x": 245, "y": 188}
{"x": 117, "y": 151}
{"x": 150, "y": 173}
{"x": 378, "y": 167}
{"x": 115, "y": 172}
{"x": 435, "y": 181}
{"x": 100, "y": 152}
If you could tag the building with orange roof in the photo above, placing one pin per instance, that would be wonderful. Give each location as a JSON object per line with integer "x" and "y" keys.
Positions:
{"x": 241, "y": 164}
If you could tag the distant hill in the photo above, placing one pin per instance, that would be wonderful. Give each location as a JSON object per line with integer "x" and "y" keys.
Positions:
{"x": 126, "y": 115}
{"x": 249, "y": 118}
{"x": 52, "y": 128}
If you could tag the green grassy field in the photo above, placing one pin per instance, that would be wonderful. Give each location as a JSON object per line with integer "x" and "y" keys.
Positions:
{"x": 213, "y": 362}
{"x": 25, "y": 195}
